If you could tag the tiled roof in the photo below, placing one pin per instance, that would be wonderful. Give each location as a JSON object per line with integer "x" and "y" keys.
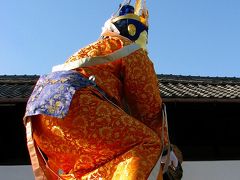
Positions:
{"x": 173, "y": 88}
{"x": 16, "y": 88}
{"x": 196, "y": 88}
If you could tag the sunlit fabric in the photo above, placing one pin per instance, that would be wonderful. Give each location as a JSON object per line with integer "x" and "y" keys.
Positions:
{"x": 99, "y": 138}
{"x": 53, "y": 93}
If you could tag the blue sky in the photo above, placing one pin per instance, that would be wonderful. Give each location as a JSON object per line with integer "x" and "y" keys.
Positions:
{"x": 186, "y": 37}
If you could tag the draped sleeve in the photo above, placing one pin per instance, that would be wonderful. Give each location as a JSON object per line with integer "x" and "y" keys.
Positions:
{"x": 142, "y": 91}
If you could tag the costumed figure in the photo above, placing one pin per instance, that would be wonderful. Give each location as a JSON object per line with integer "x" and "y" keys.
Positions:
{"x": 100, "y": 115}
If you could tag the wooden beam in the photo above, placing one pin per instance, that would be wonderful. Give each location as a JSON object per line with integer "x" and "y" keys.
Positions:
{"x": 13, "y": 100}
{"x": 199, "y": 100}
{"x": 165, "y": 100}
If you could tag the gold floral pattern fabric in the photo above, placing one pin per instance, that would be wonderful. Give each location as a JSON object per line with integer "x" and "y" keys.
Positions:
{"x": 97, "y": 140}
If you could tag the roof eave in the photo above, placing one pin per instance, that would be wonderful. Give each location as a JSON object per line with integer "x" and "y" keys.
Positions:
{"x": 13, "y": 100}
{"x": 165, "y": 100}
{"x": 200, "y": 100}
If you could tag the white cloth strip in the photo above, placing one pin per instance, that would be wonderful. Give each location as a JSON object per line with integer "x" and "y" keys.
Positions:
{"x": 155, "y": 171}
{"x": 91, "y": 61}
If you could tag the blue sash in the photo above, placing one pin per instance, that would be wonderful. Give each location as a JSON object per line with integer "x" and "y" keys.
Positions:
{"x": 53, "y": 93}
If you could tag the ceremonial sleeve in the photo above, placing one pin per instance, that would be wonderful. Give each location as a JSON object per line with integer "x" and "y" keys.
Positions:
{"x": 99, "y": 48}
{"x": 141, "y": 90}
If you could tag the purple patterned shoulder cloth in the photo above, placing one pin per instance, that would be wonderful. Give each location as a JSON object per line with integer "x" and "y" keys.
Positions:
{"x": 53, "y": 93}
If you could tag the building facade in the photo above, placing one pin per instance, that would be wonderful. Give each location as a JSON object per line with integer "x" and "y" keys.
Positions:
{"x": 203, "y": 115}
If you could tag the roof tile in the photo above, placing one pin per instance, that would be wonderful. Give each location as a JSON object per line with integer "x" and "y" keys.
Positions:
{"x": 171, "y": 87}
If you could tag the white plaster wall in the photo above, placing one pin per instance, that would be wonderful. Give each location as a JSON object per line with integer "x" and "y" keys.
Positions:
{"x": 212, "y": 170}
{"x": 204, "y": 170}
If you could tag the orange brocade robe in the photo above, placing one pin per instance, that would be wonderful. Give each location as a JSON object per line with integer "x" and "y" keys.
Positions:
{"x": 96, "y": 139}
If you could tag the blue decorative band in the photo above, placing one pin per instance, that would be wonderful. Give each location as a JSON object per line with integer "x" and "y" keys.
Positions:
{"x": 53, "y": 93}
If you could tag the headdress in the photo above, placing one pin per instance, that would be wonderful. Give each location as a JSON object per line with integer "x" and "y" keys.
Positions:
{"x": 129, "y": 21}
{"x": 139, "y": 12}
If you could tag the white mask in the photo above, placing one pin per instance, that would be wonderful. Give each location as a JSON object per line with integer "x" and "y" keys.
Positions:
{"x": 142, "y": 40}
